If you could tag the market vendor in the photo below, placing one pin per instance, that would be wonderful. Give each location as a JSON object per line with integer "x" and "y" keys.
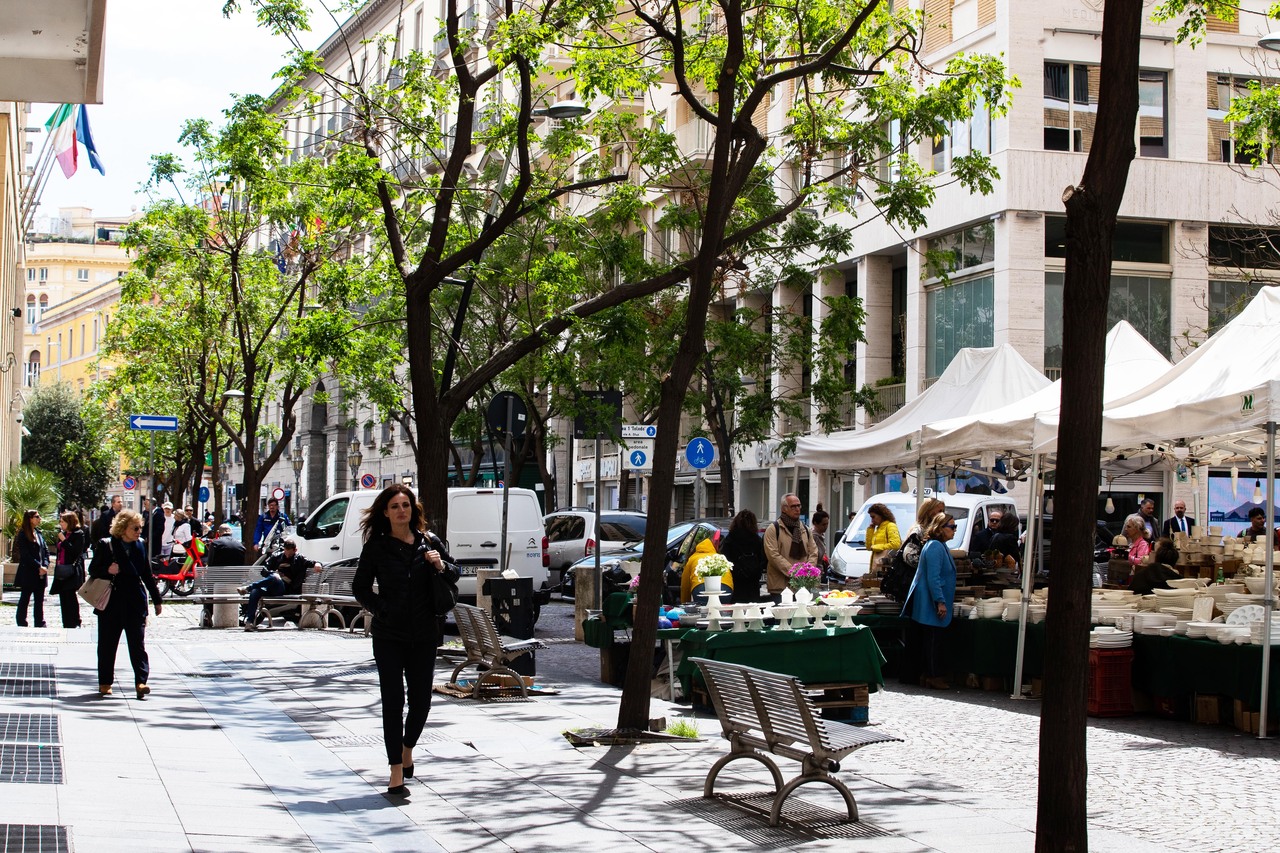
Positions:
{"x": 1157, "y": 573}
{"x": 1258, "y": 527}
{"x": 1135, "y": 530}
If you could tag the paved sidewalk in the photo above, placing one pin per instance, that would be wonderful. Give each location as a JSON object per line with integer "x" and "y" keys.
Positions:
{"x": 271, "y": 742}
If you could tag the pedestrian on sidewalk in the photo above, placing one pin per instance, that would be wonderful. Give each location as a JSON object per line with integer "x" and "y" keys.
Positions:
{"x": 120, "y": 559}
{"x": 929, "y": 602}
{"x": 399, "y": 555}
{"x": 68, "y": 568}
{"x": 33, "y": 567}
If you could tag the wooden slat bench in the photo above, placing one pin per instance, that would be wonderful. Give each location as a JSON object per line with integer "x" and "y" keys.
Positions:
{"x": 217, "y": 585}
{"x": 313, "y": 603}
{"x": 767, "y": 713}
{"x": 488, "y": 651}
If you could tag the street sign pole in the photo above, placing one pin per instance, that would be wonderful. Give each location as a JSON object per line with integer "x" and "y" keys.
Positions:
{"x": 151, "y": 482}
{"x": 504, "y": 559}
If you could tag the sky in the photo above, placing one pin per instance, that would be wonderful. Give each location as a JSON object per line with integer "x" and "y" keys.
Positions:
{"x": 166, "y": 61}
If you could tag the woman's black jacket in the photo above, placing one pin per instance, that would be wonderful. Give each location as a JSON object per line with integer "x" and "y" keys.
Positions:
{"x": 403, "y": 606}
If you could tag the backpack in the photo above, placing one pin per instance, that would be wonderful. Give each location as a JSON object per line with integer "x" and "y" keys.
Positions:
{"x": 896, "y": 582}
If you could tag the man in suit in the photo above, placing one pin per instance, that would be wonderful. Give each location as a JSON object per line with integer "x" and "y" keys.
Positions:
{"x": 1180, "y": 523}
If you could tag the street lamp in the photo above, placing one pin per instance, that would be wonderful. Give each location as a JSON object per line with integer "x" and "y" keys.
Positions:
{"x": 297, "y": 480}
{"x": 1270, "y": 41}
{"x": 354, "y": 458}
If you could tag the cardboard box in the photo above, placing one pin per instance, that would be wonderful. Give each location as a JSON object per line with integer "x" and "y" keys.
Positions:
{"x": 1208, "y": 710}
{"x": 993, "y": 682}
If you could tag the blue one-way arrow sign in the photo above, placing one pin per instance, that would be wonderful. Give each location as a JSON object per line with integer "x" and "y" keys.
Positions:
{"x": 155, "y": 423}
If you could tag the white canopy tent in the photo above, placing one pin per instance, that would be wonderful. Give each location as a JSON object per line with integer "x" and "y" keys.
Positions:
{"x": 1222, "y": 403}
{"x": 976, "y": 380}
{"x": 1131, "y": 364}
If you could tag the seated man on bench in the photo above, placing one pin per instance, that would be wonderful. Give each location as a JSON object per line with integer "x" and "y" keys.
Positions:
{"x": 284, "y": 574}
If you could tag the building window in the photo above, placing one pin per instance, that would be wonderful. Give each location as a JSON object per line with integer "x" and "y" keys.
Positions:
{"x": 32, "y": 375}
{"x": 961, "y": 314}
{"x": 32, "y": 315}
{"x": 1140, "y": 299}
{"x": 44, "y": 273}
{"x": 1223, "y": 89}
{"x": 967, "y": 136}
{"x": 82, "y": 275}
{"x": 1070, "y": 105}
{"x": 31, "y": 274}
{"x": 1227, "y": 298}
{"x": 961, "y": 250}
{"x": 1133, "y": 242}
{"x": 1153, "y": 109}
{"x": 889, "y": 168}
{"x": 44, "y": 305}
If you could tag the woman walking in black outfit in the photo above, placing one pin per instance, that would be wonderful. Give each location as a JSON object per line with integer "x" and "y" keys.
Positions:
{"x": 399, "y": 555}
{"x": 69, "y": 571}
{"x": 33, "y": 567}
{"x": 743, "y": 547}
{"x": 121, "y": 559}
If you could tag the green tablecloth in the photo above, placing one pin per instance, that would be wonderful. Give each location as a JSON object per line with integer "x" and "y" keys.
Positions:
{"x": 814, "y": 656}
{"x": 984, "y": 647}
{"x": 1179, "y": 667}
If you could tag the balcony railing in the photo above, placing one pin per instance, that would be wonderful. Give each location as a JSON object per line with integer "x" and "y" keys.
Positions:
{"x": 694, "y": 138}
{"x": 889, "y": 398}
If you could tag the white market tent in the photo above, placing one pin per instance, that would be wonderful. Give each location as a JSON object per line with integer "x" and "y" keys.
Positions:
{"x": 1131, "y": 364}
{"x": 977, "y": 380}
{"x": 1223, "y": 403}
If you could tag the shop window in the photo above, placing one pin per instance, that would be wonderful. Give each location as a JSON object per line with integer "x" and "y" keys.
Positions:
{"x": 1133, "y": 242}
{"x": 961, "y": 314}
{"x": 1227, "y": 298}
{"x": 962, "y": 249}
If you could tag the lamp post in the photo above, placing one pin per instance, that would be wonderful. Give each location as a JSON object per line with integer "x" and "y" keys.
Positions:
{"x": 297, "y": 480}
{"x": 354, "y": 458}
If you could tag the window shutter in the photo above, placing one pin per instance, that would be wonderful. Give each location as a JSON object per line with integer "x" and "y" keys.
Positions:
{"x": 937, "y": 24}
{"x": 760, "y": 118}
{"x": 1214, "y": 24}
{"x": 986, "y": 12}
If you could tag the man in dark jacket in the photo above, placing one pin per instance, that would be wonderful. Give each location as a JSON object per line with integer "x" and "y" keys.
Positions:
{"x": 283, "y": 574}
{"x": 101, "y": 528}
{"x": 225, "y": 550}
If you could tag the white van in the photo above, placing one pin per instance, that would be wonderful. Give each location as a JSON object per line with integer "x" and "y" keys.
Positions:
{"x": 850, "y": 557}
{"x": 332, "y": 532}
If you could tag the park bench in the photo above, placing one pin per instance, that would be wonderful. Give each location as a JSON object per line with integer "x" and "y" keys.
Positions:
{"x": 488, "y": 651}
{"x": 217, "y": 585}
{"x": 767, "y": 713}
{"x": 314, "y": 604}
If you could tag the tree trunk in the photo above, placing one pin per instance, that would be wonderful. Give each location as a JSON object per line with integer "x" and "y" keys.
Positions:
{"x": 1091, "y": 216}
{"x": 433, "y": 469}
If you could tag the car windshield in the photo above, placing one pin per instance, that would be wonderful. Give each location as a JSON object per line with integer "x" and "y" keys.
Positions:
{"x": 904, "y": 512}
{"x": 622, "y": 529}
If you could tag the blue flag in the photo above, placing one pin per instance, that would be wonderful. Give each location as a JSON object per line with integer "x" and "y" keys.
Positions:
{"x": 85, "y": 138}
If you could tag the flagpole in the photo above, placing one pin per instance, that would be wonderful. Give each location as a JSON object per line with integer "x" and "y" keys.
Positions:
{"x": 35, "y": 187}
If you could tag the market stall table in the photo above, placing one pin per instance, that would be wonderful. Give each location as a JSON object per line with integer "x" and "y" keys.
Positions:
{"x": 814, "y": 655}
{"x": 1181, "y": 667}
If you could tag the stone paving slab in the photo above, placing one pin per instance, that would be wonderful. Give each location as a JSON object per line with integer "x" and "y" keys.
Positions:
{"x": 284, "y": 753}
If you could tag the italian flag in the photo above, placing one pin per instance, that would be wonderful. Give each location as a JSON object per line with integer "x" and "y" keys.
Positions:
{"x": 69, "y": 129}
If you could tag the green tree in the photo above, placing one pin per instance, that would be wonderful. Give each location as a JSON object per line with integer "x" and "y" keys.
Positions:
{"x": 64, "y": 442}
{"x": 31, "y": 487}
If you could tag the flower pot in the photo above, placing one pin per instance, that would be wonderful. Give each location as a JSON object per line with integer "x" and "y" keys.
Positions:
{"x": 711, "y": 584}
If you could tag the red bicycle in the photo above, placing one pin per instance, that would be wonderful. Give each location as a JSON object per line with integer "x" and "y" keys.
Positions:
{"x": 177, "y": 572}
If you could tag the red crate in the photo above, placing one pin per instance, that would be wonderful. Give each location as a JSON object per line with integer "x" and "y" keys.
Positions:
{"x": 1110, "y": 682}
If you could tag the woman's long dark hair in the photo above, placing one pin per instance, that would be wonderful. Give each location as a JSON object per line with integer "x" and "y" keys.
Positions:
{"x": 28, "y": 527}
{"x": 745, "y": 523}
{"x": 375, "y": 521}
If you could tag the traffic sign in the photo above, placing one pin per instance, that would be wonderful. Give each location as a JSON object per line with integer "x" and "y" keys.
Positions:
{"x": 366, "y": 480}
{"x": 638, "y": 455}
{"x": 277, "y": 493}
{"x": 203, "y": 494}
{"x": 154, "y": 423}
{"x": 130, "y": 484}
{"x": 639, "y": 431}
{"x": 700, "y": 453}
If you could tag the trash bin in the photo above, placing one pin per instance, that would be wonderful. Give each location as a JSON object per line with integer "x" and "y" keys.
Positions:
{"x": 513, "y": 613}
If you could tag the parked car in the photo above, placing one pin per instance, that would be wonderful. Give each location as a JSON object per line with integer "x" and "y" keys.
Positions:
{"x": 571, "y": 533}
{"x": 682, "y": 538}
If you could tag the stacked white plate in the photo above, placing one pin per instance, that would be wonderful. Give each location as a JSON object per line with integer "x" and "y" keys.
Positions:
{"x": 1180, "y": 598}
{"x": 1102, "y": 613}
{"x": 1257, "y": 632}
{"x": 1236, "y": 600}
{"x": 1229, "y": 634}
{"x": 1221, "y": 591}
{"x": 990, "y": 608}
{"x": 1177, "y": 612}
{"x": 1201, "y": 629}
{"x": 1151, "y": 623}
{"x": 1110, "y": 638}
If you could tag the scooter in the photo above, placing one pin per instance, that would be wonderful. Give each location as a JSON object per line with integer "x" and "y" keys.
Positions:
{"x": 177, "y": 572}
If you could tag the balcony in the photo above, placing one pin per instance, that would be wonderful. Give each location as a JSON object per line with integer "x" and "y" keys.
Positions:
{"x": 695, "y": 139}
{"x": 889, "y": 398}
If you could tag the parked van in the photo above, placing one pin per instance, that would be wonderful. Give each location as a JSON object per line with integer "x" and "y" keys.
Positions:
{"x": 850, "y": 557}
{"x": 332, "y": 532}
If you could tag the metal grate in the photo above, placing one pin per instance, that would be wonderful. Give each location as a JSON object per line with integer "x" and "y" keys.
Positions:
{"x": 33, "y": 838}
{"x": 28, "y": 670}
{"x": 30, "y": 728}
{"x": 205, "y": 674}
{"x": 330, "y": 672}
{"x": 747, "y": 816}
{"x": 31, "y": 764}
{"x": 29, "y": 687}
{"x": 342, "y": 741}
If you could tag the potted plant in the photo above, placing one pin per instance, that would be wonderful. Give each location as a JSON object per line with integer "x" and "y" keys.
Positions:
{"x": 711, "y": 569}
{"x": 28, "y": 487}
{"x": 804, "y": 576}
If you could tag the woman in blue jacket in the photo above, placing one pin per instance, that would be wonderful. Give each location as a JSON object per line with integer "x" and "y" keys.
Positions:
{"x": 929, "y": 601}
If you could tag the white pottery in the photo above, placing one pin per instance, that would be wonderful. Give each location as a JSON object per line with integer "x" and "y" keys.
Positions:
{"x": 711, "y": 584}
{"x": 782, "y": 612}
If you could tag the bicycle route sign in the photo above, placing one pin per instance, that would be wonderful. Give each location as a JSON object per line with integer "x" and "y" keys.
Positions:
{"x": 700, "y": 453}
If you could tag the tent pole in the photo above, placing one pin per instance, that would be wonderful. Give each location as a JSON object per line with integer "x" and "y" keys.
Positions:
{"x": 1028, "y": 570}
{"x": 1268, "y": 586}
{"x": 920, "y": 482}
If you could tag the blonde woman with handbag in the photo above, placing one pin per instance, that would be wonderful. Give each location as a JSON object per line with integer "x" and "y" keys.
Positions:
{"x": 121, "y": 559}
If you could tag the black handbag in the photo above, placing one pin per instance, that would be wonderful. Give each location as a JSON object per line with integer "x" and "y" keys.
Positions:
{"x": 67, "y": 576}
{"x": 444, "y": 592}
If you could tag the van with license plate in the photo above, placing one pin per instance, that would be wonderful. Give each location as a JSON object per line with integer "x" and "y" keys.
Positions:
{"x": 332, "y": 532}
